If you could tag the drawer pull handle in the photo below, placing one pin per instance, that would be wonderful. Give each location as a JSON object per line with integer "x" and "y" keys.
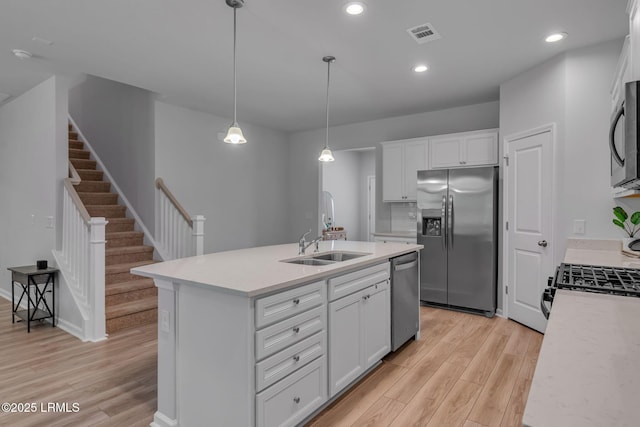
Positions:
{"x": 296, "y": 399}
{"x": 296, "y": 301}
{"x": 296, "y": 329}
{"x": 296, "y": 358}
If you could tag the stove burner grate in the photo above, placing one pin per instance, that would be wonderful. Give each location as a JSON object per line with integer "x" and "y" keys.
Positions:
{"x": 590, "y": 278}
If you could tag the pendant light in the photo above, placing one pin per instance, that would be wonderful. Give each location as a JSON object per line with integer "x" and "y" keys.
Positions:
{"x": 234, "y": 134}
{"x": 326, "y": 155}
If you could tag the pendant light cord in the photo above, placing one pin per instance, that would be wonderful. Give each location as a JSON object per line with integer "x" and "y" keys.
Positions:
{"x": 326, "y": 143}
{"x": 234, "y": 67}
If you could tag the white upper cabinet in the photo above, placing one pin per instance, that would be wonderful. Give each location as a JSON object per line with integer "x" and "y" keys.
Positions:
{"x": 634, "y": 42}
{"x": 464, "y": 149}
{"x": 401, "y": 161}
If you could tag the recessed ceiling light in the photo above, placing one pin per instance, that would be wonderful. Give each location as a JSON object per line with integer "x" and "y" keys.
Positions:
{"x": 41, "y": 40}
{"x": 22, "y": 54}
{"x": 556, "y": 37}
{"x": 420, "y": 68}
{"x": 354, "y": 8}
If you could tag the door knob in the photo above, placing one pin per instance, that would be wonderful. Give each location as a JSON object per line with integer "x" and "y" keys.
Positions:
{"x": 542, "y": 243}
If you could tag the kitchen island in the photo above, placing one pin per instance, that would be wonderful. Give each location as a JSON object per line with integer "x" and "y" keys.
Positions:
{"x": 245, "y": 339}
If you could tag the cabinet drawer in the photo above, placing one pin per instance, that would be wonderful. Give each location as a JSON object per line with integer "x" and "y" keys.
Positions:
{"x": 291, "y": 400}
{"x": 285, "y": 304}
{"x": 352, "y": 282}
{"x": 276, "y": 337}
{"x": 289, "y": 360}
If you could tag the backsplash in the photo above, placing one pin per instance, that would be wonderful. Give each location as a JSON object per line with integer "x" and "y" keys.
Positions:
{"x": 403, "y": 217}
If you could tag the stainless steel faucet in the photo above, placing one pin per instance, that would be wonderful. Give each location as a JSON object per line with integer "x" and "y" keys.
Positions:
{"x": 302, "y": 243}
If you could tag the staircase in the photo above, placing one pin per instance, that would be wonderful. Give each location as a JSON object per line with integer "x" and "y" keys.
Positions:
{"x": 130, "y": 300}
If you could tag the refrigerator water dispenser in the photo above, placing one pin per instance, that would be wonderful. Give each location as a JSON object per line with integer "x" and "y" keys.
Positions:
{"x": 432, "y": 226}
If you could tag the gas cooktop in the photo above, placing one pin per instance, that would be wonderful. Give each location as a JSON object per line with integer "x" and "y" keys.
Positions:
{"x": 592, "y": 278}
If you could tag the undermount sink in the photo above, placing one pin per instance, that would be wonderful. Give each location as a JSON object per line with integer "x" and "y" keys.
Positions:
{"x": 308, "y": 261}
{"x": 338, "y": 256}
{"x": 325, "y": 258}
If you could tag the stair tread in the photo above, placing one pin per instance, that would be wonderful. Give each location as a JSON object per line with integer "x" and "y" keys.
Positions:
{"x": 123, "y": 234}
{"x": 121, "y": 268}
{"x": 129, "y": 307}
{"x": 128, "y": 250}
{"x": 128, "y": 286}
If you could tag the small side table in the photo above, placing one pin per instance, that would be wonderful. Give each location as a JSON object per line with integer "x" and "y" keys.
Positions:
{"x": 42, "y": 281}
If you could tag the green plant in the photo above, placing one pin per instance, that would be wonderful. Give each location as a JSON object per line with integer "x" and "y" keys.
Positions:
{"x": 628, "y": 224}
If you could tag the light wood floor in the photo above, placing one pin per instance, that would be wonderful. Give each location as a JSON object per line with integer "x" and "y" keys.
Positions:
{"x": 113, "y": 381}
{"x": 466, "y": 370}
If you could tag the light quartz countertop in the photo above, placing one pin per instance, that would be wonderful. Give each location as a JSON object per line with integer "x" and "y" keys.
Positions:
{"x": 255, "y": 271}
{"x": 586, "y": 375}
{"x": 403, "y": 234}
{"x": 587, "y": 372}
{"x": 598, "y": 252}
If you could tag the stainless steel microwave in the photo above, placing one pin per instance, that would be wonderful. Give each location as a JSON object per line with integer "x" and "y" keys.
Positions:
{"x": 623, "y": 140}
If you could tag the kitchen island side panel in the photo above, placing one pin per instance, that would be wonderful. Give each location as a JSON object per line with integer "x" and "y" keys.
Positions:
{"x": 214, "y": 356}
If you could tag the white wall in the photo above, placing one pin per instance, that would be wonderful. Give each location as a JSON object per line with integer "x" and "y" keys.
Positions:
{"x": 572, "y": 91}
{"x": 33, "y": 163}
{"x": 304, "y": 148}
{"x": 242, "y": 190}
{"x": 117, "y": 119}
{"x": 586, "y": 169}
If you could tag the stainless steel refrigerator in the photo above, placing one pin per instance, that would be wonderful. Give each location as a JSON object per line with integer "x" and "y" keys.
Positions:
{"x": 457, "y": 224}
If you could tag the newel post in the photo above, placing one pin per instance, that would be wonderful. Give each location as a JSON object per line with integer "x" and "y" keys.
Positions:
{"x": 198, "y": 234}
{"x": 97, "y": 329}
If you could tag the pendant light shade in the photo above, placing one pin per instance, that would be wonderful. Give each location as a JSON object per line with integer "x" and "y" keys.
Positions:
{"x": 234, "y": 134}
{"x": 327, "y": 155}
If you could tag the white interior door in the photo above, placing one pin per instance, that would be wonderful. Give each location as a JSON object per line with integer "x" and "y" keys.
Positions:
{"x": 530, "y": 241}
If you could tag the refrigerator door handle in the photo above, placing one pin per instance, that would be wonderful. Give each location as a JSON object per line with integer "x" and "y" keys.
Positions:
{"x": 443, "y": 219}
{"x": 450, "y": 221}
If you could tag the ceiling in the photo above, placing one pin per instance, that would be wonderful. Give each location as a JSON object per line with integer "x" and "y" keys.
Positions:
{"x": 182, "y": 50}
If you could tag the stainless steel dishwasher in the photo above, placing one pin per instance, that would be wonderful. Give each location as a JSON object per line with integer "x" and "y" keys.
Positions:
{"x": 405, "y": 302}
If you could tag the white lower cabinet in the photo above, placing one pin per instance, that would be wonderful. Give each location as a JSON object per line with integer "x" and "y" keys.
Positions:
{"x": 359, "y": 334}
{"x": 376, "y": 315}
{"x": 294, "y": 398}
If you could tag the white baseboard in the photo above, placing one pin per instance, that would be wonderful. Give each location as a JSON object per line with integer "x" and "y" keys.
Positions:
{"x": 70, "y": 328}
{"x": 500, "y": 314}
{"x": 161, "y": 420}
{"x": 63, "y": 324}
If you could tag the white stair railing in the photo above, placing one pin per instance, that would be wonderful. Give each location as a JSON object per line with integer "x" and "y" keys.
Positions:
{"x": 82, "y": 260}
{"x": 178, "y": 234}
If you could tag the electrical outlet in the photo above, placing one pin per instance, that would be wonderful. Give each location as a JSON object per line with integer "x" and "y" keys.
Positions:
{"x": 49, "y": 222}
{"x": 164, "y": 321}
{"x": 578, "y": 226}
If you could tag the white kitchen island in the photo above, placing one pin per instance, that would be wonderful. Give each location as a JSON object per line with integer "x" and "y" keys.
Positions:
{"x": 245, "y": 339}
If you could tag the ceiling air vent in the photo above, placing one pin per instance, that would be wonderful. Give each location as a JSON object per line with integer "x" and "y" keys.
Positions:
{"x": 423, "y": 33}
